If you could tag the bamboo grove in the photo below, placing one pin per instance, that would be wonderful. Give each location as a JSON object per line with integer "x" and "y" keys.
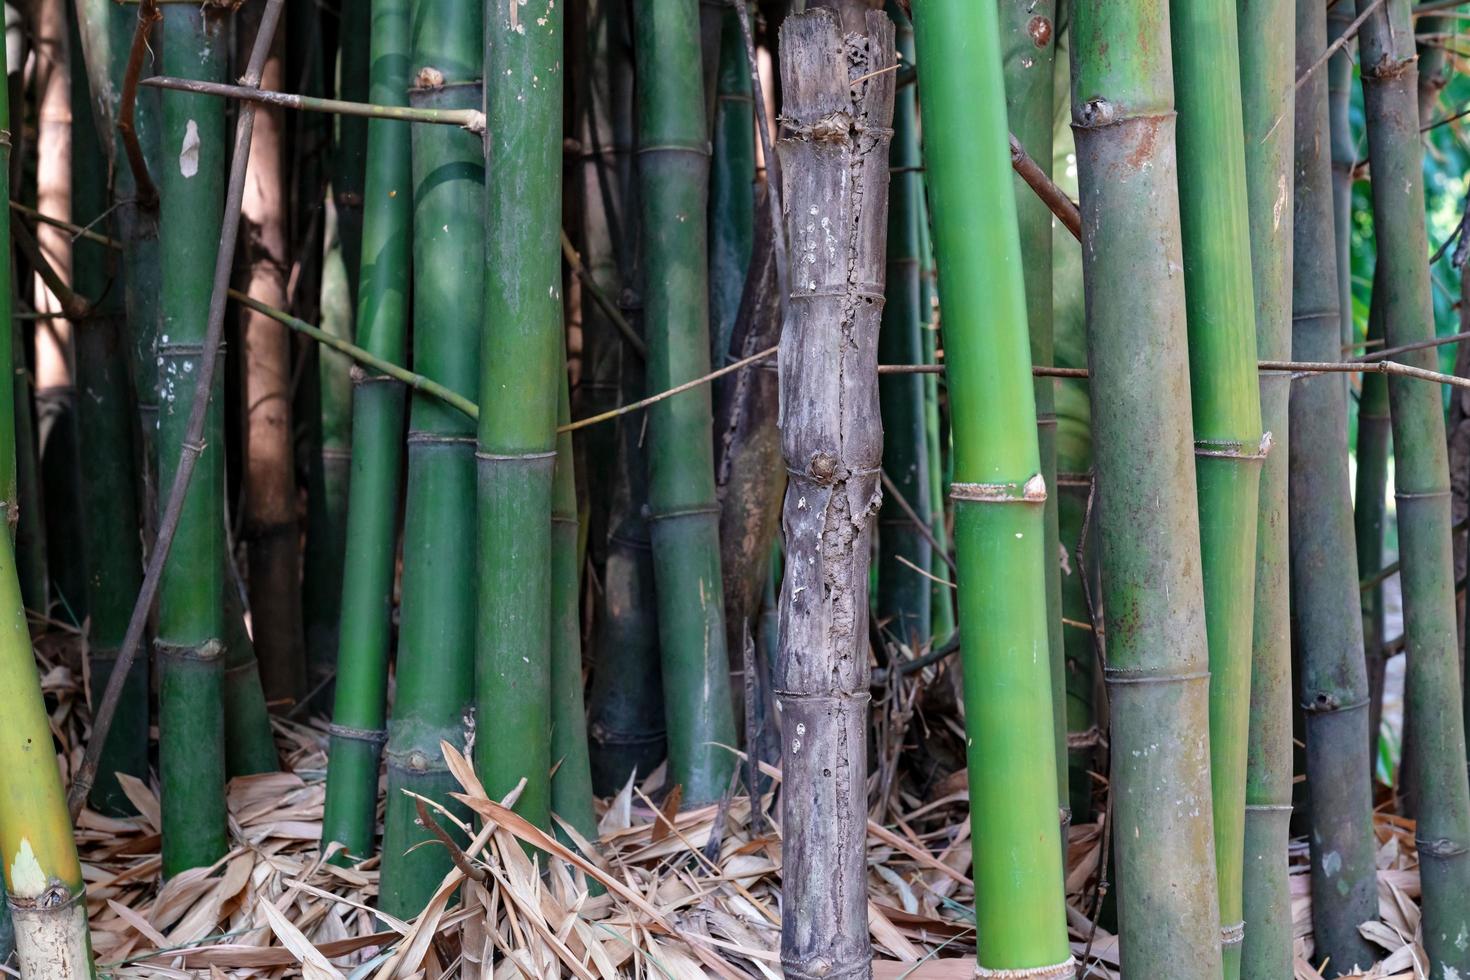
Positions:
{"x": 1028, "y": 436}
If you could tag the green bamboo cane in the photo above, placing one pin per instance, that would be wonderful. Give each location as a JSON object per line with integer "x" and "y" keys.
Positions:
{"x": 941, "y": 595}
{"x": 603, "y": 114}
{"x": 1147, "y": 530}
{"x": 1433, "y": 66}
{"x": 731, "y": 187}
{"x": 1333, "y": 685}
{"x": 26, "y": 516}
{"x": 1344, "y": 159}
{"x": 673, "y": 168}
{"x": 1029, "y": 51}
{"x": 1267, "y": 30}
{"x": 1369, "y": 499}
{"x": 108, "y": 486}
{"x": 1225, "y": 392}
{"x": 571, "y": 782}
{"x": 190, "y": 626}
{"x": 250, "y": 744}
{"x": 359, "y": 714}
{"x": 904, "y": 594}
{"x": 1433, "y": 696}
{"x": 625, "y": 701}
{"x": 520, "y": 357}
{"x": 107, "y": 33}
{"x": 999, "y": 495}
{"x": 350, "y": 149}
{"x": 45, "y": 915}
{"x": 43, "y": 878}
{"x": 436, "y": 640}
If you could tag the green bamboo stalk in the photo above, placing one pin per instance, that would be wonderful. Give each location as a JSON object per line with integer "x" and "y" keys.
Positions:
{"x": 1147, "y": 529}
{"x": 1214, "y": 215}
{"x": 436, "y": 653}
{"x": 837, "y": 101}
{"x": 1434, "y": 70}
{"x": 1369, "y": 502}
{"x": 1433, "y": 696}
{"x": 1267, "y": 32}
{"x": 520, "y": 357}
{"x": 250, "y": 743}
{"x": 329, "y": 475}
{"x": 731, "y": 187}
{"x": 1344, "y": 159}
{"x": 904, "y": 594}
{"x": 941, "y": 594}
{"x": 43, "y": 878}
{"x": 45, "y": 908}
{"x": 673, "y": 168}
{"x": 190, "y": 627}
{"x": 1029, "y": 51}
{"x": 359, "y": 714}
{"x": 27, "y": 516}
{"x": 350, "y": 150}
{"x": 571, "y": 782}
{"x": 105, "y": 425}
{"x": 1333, "y": 685}
{"x": 999, "y": 493}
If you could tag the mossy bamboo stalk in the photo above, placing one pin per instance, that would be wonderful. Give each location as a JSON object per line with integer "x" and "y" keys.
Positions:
{"x": 571, "y": 780}
{"x": 1267, "y": 32}
{"x": 1147, "y": 529}
{"x": 359, "y": 715}
{"x": 1433, "y": 695}
{"x": 1224, "y": 389}
{"x": 521, "y": 343}
{"x": 436, "y": 653}
{"x": 999, "y": 492}
{"x": 109, "y": 488}
{"x": 837, "y": 100}
{"x": 673, "y": 168}
{"x": 1029, "y": 51}
{"x": 904, "y": 594}
{"x": 190, "y": 625}
{"x": 1344, "y": 159}
{"x": 1333, "y": 685}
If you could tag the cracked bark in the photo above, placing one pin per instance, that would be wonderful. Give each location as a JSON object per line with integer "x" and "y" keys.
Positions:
{"x": 838, "y": 106}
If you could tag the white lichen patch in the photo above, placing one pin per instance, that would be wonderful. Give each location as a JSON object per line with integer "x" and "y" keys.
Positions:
{"x": 189, "y": 153}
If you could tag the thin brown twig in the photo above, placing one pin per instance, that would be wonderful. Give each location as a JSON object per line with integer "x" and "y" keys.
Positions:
{"x": 1051, "y": 195}
{"x": 1346, "y": 36}
{"x": 461, "y": 861}
{"x": 193, "y": 442}
{"x": 630, "y": 336}
{"x": 146, "y": 190}
{"x": 891, "y": 488}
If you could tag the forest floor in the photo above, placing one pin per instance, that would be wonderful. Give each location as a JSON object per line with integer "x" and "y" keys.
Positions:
{"x": 692, "y": 896}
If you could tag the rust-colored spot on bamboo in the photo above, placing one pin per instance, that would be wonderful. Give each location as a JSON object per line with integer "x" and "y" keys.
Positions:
{"x": 1040, "y": 31}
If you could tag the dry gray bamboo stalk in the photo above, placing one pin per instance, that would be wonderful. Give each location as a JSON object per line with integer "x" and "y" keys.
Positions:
{"x": 838, "y": 109}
